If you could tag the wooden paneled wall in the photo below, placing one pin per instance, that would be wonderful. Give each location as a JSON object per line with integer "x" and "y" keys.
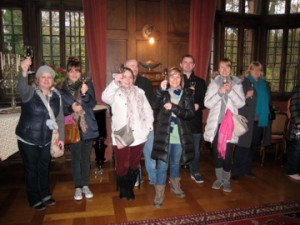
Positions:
{"x": 125, "y": 21}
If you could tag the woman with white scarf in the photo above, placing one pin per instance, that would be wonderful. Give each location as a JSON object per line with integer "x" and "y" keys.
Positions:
{"x": 129, "y": 106}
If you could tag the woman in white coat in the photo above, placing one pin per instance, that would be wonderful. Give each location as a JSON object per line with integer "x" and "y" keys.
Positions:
{"x": 129, "y": 106}
{"x": 224, "y": 91}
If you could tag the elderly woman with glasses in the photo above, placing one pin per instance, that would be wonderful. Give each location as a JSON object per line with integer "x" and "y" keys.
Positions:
{"x": 130, "y": 109}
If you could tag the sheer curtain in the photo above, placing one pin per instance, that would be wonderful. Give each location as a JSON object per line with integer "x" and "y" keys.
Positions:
{"x": 95, "y": 12}
{"x": 202, "y": 15}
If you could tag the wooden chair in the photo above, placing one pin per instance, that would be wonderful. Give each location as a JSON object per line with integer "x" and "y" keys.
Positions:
{"x": 278, "y": 138}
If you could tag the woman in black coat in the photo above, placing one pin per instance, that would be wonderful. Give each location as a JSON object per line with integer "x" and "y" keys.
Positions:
{"x": 257, "y": 111}
{"x": 173, "y": 140}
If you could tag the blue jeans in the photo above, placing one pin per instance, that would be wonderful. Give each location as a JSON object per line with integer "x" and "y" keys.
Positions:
{"x": 175, "y": 152}
{"x": 293, "y": 158}
{"x": 81, "y": 163}
{"x": 150, "y": 163}
{"x": 194, "y": 164}
{"x": 36, "y": 161}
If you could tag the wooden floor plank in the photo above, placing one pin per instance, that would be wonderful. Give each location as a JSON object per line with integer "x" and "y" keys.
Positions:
{"x": 270, "y": 186}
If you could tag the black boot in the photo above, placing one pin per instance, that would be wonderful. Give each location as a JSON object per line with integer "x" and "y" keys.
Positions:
{"x": 132, "y": 176}
{"x": 122, "y": 185}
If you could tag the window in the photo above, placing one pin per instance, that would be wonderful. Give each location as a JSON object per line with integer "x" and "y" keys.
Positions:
{"x": 59, "y": 43}
{"x": 248, "y": 44}
{"x": 274, "y": 57}
{"x": 276, "y": 7}
{"x": 293, "y": 60}
{"x": 50, "y": 37}
{"x": 75, "y": 36}
{"x": 231, "y": 46}
{"x": 232, "y": 6}
{"x": 252, "y": 6}
{"x": 12, "y": 31}
{"x": 295, "y": 6}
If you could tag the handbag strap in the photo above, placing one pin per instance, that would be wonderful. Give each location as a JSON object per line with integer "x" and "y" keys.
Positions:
{"x": 46, "y": 103}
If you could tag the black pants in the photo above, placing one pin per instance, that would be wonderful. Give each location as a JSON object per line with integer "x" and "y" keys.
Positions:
{"x": 36, "y": 162}
{"x": 243, "y": 157}
{"x": 219, "y": 162}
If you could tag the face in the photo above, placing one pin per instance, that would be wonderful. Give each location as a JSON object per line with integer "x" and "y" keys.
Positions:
{"x": 127, "y": 80}
{"x": 187, "y": 65}
{"x": 134, "y": 66}
{"x": 224, "y": 69}
{"x": 45, "y": 81}
{"x": 255, "y": 72}
{"x": 74, "y": 74}
{"x": 175, "y": 80}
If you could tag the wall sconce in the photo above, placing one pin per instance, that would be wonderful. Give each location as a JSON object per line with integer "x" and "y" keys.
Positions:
{"x": 148, "y": 32}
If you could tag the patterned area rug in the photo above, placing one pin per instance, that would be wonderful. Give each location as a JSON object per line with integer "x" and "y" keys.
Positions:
{"x": 282, "y": 213}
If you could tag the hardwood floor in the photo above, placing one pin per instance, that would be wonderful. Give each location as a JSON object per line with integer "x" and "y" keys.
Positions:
{"x": 270, "y": 186}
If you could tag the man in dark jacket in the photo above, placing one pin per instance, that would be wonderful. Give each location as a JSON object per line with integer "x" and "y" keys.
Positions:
{"x": 146, "y": 85}
{"x": 198, "y": 86}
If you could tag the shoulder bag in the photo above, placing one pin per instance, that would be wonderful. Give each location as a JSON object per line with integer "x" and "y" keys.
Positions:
{"x": 124, "y": 137}
{"x": 72, "y": 133}
{"x": 240, "y": 123}
{"x": 55, "y": 150}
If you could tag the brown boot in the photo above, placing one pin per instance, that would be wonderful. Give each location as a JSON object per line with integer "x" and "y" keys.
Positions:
{"x": 159, "y": 195}
{"x": 175, "y": 187}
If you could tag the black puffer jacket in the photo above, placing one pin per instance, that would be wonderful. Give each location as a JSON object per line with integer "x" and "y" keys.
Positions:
{"x": 184, "y": 111}
{"x": 32, "y": 124}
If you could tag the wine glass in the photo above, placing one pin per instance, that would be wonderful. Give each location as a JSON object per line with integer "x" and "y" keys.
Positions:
{"x": 166, "y": 74}
{"x": 192, "y": 83}
{"x": 29, "y": 54}
{"x": 225, "y": 80}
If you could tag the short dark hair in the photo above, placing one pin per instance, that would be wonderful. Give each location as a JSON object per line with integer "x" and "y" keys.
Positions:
{"x": 188, "y": 56}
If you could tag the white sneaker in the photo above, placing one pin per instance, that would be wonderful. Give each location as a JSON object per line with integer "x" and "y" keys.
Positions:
{"x": 87, "y": 192}
{"x": 78, "y": 194}
{"x": 295, "y": 176}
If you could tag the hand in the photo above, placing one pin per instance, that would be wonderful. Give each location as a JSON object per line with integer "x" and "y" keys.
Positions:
{"x": 76, "y": 107}
{"x": 61, "y": 144}
{"x": 168, "y": 106}
{"x": 250, "y": 94}
{"x": 25, "y": 64}
{"x": 227, "y": 86}
{"x": 164, "y": 85}
{"x": 118, "y": 77}
{"x": 222, "y": 90}
{"x": 84, "y": 88}
{"x": 196, "y": 107}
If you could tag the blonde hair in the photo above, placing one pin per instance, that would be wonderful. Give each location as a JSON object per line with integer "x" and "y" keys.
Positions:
{"x": 175, "y": 70}
{"x": 255, "y": 64}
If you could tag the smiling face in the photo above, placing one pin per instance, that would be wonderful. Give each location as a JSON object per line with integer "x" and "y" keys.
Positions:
{"x": 174, "y": 79}
{"x": 127, "y": 80}
{"x": 45, "y": 81}
{"x": 74, "y": 74}
{"x": 187, "y": 64}
{"x": 224, "y": 69}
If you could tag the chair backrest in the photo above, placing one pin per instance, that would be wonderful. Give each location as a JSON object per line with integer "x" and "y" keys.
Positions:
{"x": 279, "y": 125}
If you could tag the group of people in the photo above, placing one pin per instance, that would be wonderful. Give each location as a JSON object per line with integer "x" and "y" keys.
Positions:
{"x": 165, "y": 125}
